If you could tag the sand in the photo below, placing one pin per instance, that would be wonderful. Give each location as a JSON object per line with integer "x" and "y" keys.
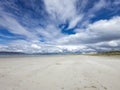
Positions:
{"x": 62, "y": 72}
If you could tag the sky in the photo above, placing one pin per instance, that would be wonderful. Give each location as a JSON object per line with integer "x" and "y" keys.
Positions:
{"x": 57, "y": 26}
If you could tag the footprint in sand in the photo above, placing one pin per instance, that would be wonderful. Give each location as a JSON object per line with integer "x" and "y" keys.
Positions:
{"x": 1, "y": 75}
{"x": 62, "y": 88}
{"x": 104, "y": 87}
{"x": 94, "y": 88}
{"x": 58, "y": 63}
{"x": 90, "y": 88}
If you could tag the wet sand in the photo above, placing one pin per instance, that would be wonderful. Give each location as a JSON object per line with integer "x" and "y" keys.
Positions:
{"x": 60, "y": 72}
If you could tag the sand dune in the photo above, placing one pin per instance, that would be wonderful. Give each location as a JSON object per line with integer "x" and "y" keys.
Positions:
{"x": 62, "y": 72}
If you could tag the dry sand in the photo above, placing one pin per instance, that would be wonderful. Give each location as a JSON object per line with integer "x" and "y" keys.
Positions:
{"x": 63, "y": 72}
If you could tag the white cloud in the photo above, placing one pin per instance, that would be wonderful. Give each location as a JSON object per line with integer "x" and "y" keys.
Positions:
{"x": 106, "y": 26}
{"x": 49, "y": 33}
{"x": 113, "y": 43}
{"x": 63, "y": 9}
{"x": 74, "y": 21}
{"x": 92, "y": 12}
{"x": 100, "y": 34}
{"x": 106, "y": 30}
{"x": 117, "y": 2}
{"x": 15, "y": 27}
{"x": 71, "y": 48}
{"x": 35, "y": 46}
{"x": 99, "y": 31}
{"x": 99, "y": 5}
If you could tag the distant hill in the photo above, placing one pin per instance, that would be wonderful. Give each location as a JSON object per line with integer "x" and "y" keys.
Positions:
{"x": 11, "y": 53}
{"x": 22, "y": 53}
{"x": 108, "y": 53}
{"x": 39, "y": 53}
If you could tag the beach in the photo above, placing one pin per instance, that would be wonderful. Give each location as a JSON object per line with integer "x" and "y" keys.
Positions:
{"x": 60, "y": 72}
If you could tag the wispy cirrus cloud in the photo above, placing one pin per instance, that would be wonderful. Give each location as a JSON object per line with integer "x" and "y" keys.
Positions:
{"x": 59, "y": 25}
{"x": 15, "y": 27}
{"x": 61, "y": 9}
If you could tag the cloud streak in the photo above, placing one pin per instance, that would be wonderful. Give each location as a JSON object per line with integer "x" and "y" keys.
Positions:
{"x": 59, "y": 25}
{"x": 15, "y": 28}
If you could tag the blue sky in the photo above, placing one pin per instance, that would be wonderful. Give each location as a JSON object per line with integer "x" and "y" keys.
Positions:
{"x": 59, "y": 25}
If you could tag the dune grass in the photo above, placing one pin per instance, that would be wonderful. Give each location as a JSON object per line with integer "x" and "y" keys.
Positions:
{"x": 109, "y": 53}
